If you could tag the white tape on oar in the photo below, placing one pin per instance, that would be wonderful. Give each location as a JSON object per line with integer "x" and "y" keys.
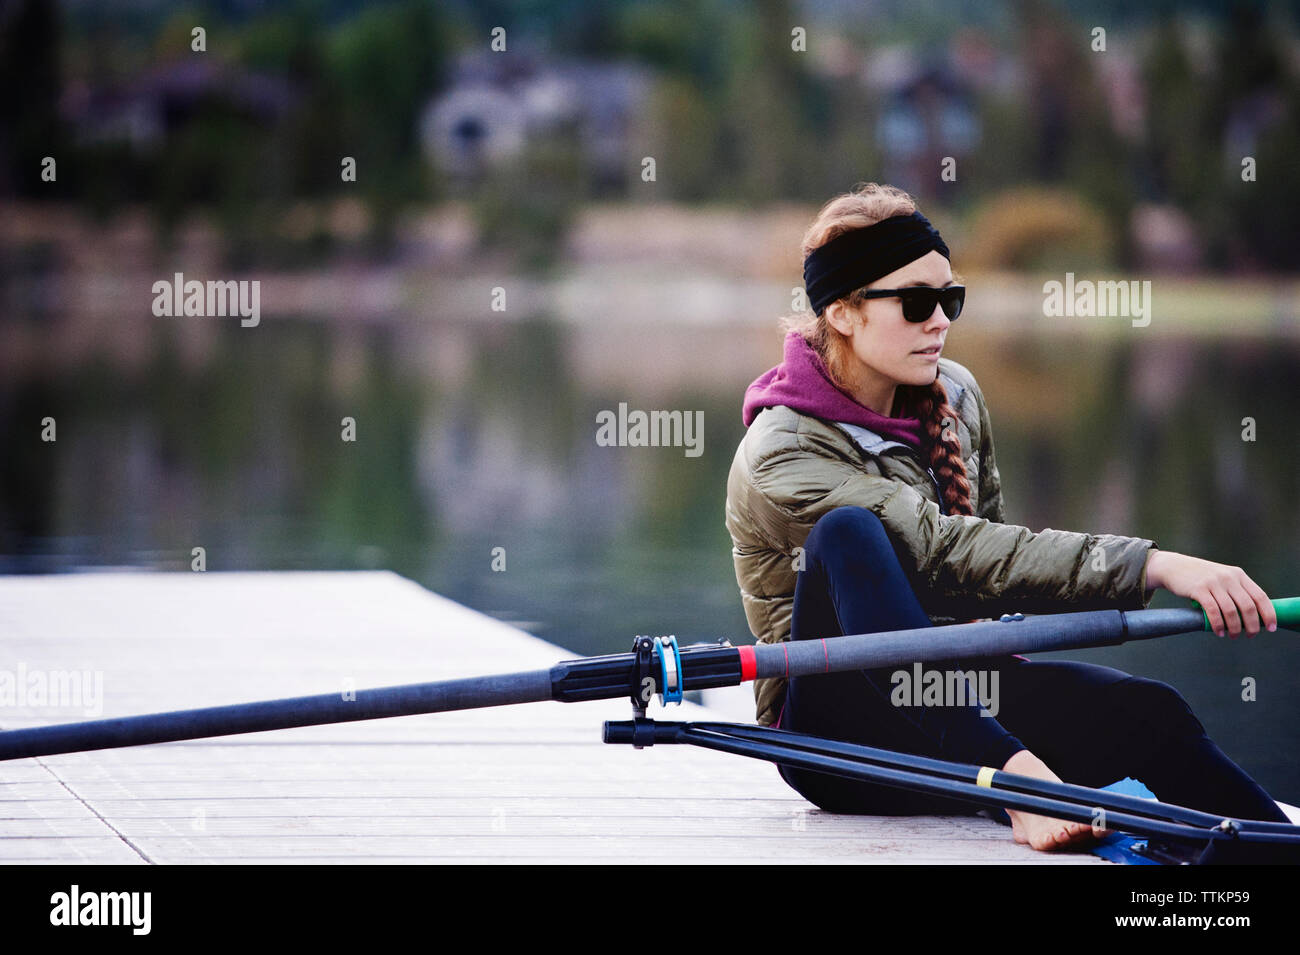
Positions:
{"x": 985, "y": 777}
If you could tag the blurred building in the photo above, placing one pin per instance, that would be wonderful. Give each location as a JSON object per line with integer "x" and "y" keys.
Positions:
{"x": 927, "y": 112}
{"x": 494, "y": 107}
{"x": 1249, "y": 118}
{"x": 145, "y": 110}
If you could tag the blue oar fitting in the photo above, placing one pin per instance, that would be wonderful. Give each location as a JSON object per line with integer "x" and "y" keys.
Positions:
{"x": 670, "y": 669}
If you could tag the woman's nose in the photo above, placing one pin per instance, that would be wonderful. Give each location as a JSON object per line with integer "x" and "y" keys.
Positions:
{"x": 938, "y": 318}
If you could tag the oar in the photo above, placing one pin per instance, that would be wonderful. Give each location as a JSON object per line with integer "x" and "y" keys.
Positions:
{"x": 655, "y": 666}
{"x": 1269, "y": 841}
{"x": 983, "y": 776}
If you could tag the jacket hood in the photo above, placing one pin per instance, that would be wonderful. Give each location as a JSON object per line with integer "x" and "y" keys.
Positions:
{"x": 801, "y": 382}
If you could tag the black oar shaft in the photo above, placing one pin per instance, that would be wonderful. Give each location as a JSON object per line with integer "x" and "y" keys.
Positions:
{"x": 939, "y": 786}
{"x": 373, "y": 704}
{"x": 962, "y": 772}
{"x": 1065, "y": 631}
{"x": 937, "y": 777}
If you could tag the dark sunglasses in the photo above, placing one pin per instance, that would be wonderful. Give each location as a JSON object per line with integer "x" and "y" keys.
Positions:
{"x": 919, "y": 301}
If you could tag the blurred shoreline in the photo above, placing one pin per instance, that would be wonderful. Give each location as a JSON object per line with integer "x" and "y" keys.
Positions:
{"x": 628, "y": 276}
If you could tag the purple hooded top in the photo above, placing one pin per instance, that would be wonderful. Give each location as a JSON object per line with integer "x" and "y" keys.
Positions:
{"x": 801, "y": 382}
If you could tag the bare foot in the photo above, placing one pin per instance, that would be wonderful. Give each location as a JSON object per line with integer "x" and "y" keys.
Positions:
{"x": 1043, "y": 832}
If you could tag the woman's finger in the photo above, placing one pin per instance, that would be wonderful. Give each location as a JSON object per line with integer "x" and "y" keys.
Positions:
{"x": 1210, "y": 608}
{"x": 1245, "y": 608}
{"x": 1267, "y": 614}
{"x": 1231, "y": 619}
{"x": 1220, "y": 601}
{"x": 1218, "y": 616}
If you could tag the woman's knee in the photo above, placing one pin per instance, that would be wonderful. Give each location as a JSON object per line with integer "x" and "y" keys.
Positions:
{"x": 851, "y": 558}
{"x": 847, "y": 527}
{"x": 1156, "y": 707}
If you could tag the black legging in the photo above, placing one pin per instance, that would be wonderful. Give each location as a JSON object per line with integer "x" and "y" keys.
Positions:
{"x": 1091, "y": 724}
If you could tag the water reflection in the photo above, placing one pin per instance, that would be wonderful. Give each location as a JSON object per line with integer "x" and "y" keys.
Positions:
{"x": 243, "y": 454}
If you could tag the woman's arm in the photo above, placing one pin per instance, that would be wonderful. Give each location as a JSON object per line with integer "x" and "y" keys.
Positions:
{"x": 962, "y": 565}
{"x": 1229, "y": 597}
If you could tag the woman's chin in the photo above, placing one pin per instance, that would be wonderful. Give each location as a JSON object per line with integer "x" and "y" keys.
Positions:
{"x": 920, "y": 376}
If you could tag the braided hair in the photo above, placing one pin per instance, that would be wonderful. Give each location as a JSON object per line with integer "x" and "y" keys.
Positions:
{"x": 940, "y": 444}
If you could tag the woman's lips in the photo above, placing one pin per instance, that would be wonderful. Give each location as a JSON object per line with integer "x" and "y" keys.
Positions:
{"x": 931, "y": 352}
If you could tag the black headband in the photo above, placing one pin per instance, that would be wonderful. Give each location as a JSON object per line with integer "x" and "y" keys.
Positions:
{"x": 858, "y": 258}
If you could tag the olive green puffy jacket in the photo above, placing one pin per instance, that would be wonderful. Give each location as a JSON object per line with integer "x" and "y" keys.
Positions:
{"x": 791, "y": 468}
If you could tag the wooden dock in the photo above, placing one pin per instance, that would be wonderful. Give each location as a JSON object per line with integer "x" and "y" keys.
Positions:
{"x": 530, "y": 783}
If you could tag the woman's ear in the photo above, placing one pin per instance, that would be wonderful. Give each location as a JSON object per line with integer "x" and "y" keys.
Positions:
{"x": 838, "y": 317}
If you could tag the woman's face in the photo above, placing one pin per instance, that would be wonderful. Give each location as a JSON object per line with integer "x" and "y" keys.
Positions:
{"x": 888, "y": 346}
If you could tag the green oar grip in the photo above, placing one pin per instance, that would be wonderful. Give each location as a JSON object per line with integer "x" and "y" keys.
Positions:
{"x": 1288, "y": 612}
{"x": 1287, "y": 609}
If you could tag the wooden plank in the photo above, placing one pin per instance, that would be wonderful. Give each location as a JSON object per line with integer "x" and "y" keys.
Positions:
{"x": 87, "y": 850}
{"x": 492, "y": 822}
{"x": 545, "y": 848}
{"x": 451, "y": 806}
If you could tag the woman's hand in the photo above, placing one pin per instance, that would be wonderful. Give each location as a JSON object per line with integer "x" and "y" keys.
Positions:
{"x": 1044, "y": 832}
{"x": 1227, "y": 595}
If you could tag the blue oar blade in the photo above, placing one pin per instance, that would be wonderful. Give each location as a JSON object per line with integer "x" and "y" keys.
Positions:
{"x": 1119, "y": 847}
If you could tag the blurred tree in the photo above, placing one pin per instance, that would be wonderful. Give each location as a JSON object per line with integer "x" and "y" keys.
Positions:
{"x": 293, "y": 45}
{"x": 1259, "y": 109}
{"x": 1070, "y": 118}
{"x": 386, "y": 62}
{"x": 765, "y": 145}
{"x": 686, "y": 38}
{"x": 588, "y": 28}
{"x": 525, "y": 207}
{"x": 31, "y": 76}
{"x": 837, "y": 148}
{"x": 687, "y": 155}
{"x": 1007, "y": 150}
{"x": 1182, "y": 135}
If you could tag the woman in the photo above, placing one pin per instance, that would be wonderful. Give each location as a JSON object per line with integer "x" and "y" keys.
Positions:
{"x": 865, "y": 497}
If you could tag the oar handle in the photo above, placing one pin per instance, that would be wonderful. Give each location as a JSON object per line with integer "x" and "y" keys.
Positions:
{"x": 1287, "y": 609}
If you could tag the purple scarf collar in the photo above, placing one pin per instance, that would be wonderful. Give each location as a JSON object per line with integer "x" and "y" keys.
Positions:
{"x": 802, "y": 383}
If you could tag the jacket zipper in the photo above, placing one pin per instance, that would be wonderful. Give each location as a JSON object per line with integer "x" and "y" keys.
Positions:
{"x": 938, "y": 492}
